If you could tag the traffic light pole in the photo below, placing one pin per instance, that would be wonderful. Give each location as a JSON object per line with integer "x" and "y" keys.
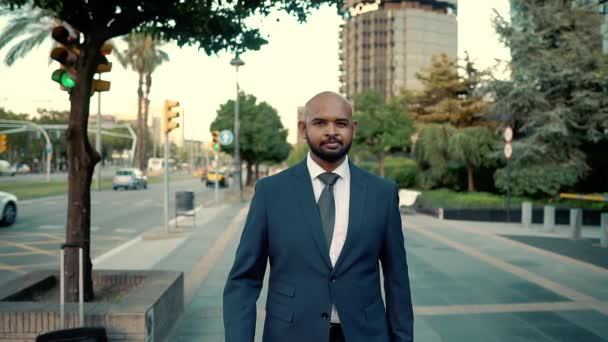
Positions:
{"x": 166, "y": 182}
{"x": 217, "y": 186}
{"x": 98, "y": 141}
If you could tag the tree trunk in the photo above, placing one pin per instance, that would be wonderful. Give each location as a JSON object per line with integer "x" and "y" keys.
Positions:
{"x": 81, "y": 163}
{"x": 144, "y": 142}
{"x": 382, "y": 157}
{"x": 140, "y": 131}
{"x": 471, "y": 180}
{"x": 249, "y": 180}
{"x": 257, "y": 171}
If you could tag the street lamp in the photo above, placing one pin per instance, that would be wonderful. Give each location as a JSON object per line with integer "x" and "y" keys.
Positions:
{"x": 237, "y": 62}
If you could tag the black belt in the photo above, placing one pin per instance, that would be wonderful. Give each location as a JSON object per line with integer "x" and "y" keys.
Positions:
{"x": 335, "y": 332}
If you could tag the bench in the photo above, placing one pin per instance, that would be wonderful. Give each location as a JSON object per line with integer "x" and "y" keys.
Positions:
{"x": 407, "y": 200}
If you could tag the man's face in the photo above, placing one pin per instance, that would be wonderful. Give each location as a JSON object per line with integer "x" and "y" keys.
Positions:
{"x": 329, "y": 128}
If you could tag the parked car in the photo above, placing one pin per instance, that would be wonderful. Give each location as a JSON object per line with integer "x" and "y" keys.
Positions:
{"x": 5, "y": 168}
{"x": 20, "y": 169}
{"x": 129, "y": 179}
{"x": 211, "y": 176}
{"x": 8, "y": 208}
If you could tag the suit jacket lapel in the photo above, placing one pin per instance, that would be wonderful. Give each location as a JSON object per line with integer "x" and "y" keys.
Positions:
{"x": 306, "y": 197}
{"x": 358, "y": 192}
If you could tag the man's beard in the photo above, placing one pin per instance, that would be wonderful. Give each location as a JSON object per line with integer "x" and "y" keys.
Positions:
{"x": 325, "y": 155}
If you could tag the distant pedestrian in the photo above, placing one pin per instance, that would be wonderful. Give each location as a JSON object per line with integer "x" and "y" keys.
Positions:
{"x": 322, "y": 225}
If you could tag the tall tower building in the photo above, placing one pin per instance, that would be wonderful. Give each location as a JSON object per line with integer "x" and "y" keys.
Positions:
{"x": 385, "y": 43}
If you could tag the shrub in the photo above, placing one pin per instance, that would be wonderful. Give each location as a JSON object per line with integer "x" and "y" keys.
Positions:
{"x": 402, "y": 171}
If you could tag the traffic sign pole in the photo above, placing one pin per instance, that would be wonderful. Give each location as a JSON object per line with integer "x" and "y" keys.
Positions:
{"x": 508, "y": 151}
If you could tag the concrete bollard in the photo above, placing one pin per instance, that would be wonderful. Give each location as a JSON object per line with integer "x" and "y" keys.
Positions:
{"x": 526, "y": 214}
{"x": 576, "y": 223}
{"x": 549, "y": 217}
{"x": 604, "y": 230}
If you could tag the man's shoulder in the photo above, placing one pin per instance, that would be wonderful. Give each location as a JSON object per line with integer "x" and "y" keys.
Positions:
{"x": 278, "y": 178}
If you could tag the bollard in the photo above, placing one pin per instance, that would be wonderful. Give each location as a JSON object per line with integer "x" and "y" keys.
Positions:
{"x": 604, "y": 230}
{"x": 576, "y": 222}
{"x": 526, "y": 214}
{"x": 549, "y": 217}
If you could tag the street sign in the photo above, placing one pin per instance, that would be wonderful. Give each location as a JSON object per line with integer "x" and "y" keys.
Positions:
{"x": 508, "y": 134}
{"x": 226, "y": 137}
{"x": 49, "y": 149}
{"x": 508, "y": 150}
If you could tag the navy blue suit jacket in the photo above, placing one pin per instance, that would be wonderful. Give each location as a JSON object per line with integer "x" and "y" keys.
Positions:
{"x": 283, "y": 228}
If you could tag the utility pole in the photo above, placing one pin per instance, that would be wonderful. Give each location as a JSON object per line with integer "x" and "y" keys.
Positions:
{"x": 168, "y": 115}
{"x": 237, "y": 62}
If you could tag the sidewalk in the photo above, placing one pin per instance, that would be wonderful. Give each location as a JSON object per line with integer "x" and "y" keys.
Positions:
{"x": 469, "y": 282}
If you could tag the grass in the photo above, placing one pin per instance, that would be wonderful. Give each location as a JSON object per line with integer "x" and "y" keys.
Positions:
{"x": 444, "y": 198}
{"x": 28, "y": 190}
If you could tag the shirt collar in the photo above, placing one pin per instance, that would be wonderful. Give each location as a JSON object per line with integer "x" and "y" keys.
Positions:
{"x": 315, "y": 170}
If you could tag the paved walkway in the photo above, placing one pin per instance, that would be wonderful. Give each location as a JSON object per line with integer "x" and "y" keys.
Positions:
{"x": 471, "y": 281}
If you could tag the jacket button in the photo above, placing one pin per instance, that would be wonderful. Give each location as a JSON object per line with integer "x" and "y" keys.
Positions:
{"x": 332, "y": 279}
{"x": 324, "y": 315}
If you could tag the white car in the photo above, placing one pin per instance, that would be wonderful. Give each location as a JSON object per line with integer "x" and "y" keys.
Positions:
{"x": 8, "y": 208}
{"x": 5, "y": 168}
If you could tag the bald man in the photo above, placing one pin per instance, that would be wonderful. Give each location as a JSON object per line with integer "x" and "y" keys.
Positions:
{"x": 322, "y": 225}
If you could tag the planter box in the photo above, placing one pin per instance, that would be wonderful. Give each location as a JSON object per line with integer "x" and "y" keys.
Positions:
{"x": 145, "y": 309}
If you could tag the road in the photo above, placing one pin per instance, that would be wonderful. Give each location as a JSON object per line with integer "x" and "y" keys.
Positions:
{"x": 106, "y": 172}
{"x": 117, "y": 217}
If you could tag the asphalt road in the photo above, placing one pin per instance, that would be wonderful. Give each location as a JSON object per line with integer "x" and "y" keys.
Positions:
{"x": 106, "y": 172}
{"x": 117, "y": 217}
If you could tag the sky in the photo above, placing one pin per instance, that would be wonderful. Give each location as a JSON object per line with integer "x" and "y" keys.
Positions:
{"x": 299, "y": 61}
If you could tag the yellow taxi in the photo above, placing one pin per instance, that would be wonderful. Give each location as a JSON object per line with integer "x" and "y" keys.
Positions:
{"x": 213, "y": 175}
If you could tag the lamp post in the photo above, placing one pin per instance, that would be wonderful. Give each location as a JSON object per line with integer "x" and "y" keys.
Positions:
{"x": 237, "y": 62}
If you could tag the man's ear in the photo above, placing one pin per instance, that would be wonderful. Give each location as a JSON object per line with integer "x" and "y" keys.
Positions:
{"x": 355, "y": 126}
{"x": 302, "y": 129}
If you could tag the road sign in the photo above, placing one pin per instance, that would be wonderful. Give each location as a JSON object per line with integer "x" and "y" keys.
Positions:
{"x": 508, "y": 134}
{"x": 226, "y": 137}
{"x": 49, "y": 149}
{"x": 508, "y": 150}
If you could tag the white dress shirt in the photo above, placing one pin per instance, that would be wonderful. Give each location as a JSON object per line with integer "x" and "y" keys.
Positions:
{"x": 342, "y": 202}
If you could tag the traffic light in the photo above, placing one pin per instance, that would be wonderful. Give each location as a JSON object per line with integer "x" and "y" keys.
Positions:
{"x": 3, "y": 143}
{"x": 67, "y": 55}
{"x": 216, "y": 140}
{"x": 170, "y": 113}
{"x": 103, "y": 65}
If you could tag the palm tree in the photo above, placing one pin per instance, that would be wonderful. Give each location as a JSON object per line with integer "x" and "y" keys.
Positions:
{"x": 144, "y": 56}
{"x": 33, "y": 25}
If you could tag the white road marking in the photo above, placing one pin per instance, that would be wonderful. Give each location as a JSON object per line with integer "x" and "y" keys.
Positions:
{"x": 50, "y": 227}
{"x": 125, "y": 230}
{"x": 117, "y": 250}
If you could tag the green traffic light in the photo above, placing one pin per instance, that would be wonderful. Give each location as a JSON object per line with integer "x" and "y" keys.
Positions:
{"x": 216, "y": 146}
{"x": 62, "y": 77}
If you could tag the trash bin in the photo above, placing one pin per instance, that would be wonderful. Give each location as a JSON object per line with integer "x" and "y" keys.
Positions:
{"x": 184, "y": 205}
{"x": 184, "y": 201}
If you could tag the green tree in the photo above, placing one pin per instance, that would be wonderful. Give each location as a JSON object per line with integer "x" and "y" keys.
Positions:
{"x": 213, "y": 26}
{"x": 383, "y": 127}
{"x": 262, "y": 135}
{"x": 144, "y": 55}
{"x": 556, "y": 96}
{"x": 473, "y": 147}
{"x": 432, "y": 154}
{"x": 450, "y": 94}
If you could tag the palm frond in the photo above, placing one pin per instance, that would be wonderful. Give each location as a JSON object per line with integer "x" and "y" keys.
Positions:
{"x": 162, "y": 56}
{"x": 35, "y": 23}
{"x": 22, "y": 48}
